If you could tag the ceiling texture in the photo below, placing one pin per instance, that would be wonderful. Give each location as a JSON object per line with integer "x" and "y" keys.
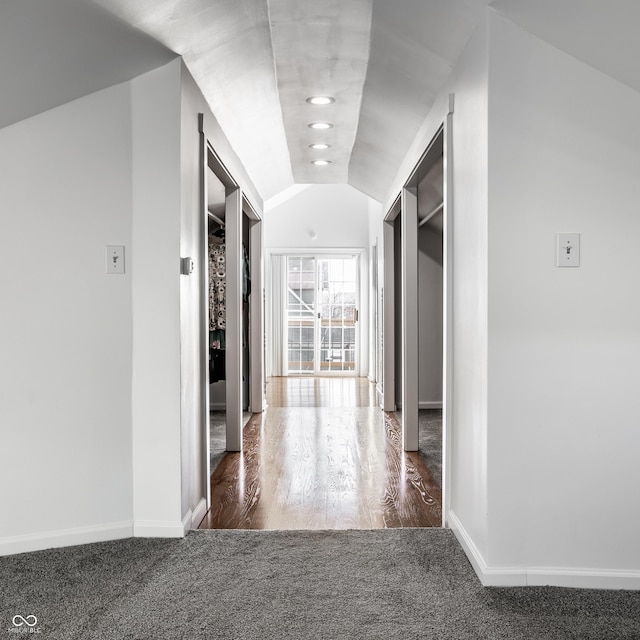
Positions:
{"x": 257, "y": 62}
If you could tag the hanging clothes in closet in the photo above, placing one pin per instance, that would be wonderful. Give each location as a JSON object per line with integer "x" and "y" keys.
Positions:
{"x": 246, "y": 291}
{"x": 217, "y": 305}
{"x": 246, "y": 274}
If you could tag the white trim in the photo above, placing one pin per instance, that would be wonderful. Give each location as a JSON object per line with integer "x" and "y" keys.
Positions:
{"x": 540, "y": 576}
{"x": 203, "y": 271}
{"x": 234, "y": 353}
{"x": 275, "y": 327}
{"x": 256, "y": 319}
{"x": 388, "y": 319}
{"x": 468, "y": 546}
{"x": 487, "y": 576}
{"x": 409, "y": 316}
{"x": 186, "y": 521}
{"x": 159, "y": 528}
{"x": 199, "y": 513}
{"x": 448, "y": 314}
{"x": 217, "y": 406}
{"x": 65, "y": 538}
{"x": 583, "y": 578}
{"x": 326, "y": 252}
{"x": 426, "y": 404}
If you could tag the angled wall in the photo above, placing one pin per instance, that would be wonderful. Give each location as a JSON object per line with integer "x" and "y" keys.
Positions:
{"x": 468, "y": 456}
{"x": 564, "y": 343}
{"x": 192, "y": 243}
{"x": 545, "y": 359}
{"x": 66, "y": 339}
{"x": 156, "y": 380}
{"x": 468, "y": 480}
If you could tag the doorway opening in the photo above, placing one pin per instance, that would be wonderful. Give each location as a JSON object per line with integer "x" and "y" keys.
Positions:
{"x": 232, "y": 310}
{"x": 313, "y": 320}
{"x": 321, "y": 317}
{"x": 417, "y": 313}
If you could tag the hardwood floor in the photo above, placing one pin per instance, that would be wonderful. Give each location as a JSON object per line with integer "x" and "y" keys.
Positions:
{"x": 322, "y": 456}
{"x": 320, "y": 392}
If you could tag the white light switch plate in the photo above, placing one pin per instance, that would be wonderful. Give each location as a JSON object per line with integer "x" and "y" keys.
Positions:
{"x": 115, "y": 258}
{"x": 568, "y": 250}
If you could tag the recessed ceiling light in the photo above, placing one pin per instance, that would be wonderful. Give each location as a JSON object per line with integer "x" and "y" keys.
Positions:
{"x": 320, "y": 100}
{"x": 320, "y": 146}
{"x": 320, "y": 125}
{"x": 321, "y": 163}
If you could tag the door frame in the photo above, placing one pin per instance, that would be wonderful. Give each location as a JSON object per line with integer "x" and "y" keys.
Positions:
{"x": 237, "y": 204}
{"x": 401, "y": 204}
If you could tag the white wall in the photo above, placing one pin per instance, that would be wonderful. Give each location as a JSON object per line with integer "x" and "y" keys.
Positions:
{"x": 192, "y": 244}
{"x": 468, "y": 490}
{"x": 66, "y": 339}
{"x": 375, "y": 239}
{"x": 564, "y": 344}
{"x": 545, "y": 408}
{"x": 430, "y": 274}
{"x": 468, "y": 514}
{"x": 101, "y": 413}
{"x": 338, "y": 215}
{"x": 191, "y": 308}
{"x": 156, "y": 302}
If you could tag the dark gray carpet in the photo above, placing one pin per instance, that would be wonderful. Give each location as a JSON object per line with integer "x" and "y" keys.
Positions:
{"x": 386, "y": 584}
{"x": 430, "y": 441}
{"x": 217, "y": 437}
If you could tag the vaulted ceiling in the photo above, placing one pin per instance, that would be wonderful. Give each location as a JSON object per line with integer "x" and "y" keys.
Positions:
{"x": 257, "y": 61}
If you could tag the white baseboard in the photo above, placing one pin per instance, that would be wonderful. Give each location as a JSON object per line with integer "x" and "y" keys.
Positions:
{"x": 186, "y": 522}
{"x": 199, "y": 513}
{"x": 541, "y": 576}
{"x": 583, "y": 578}
{"x": 193, "y": 518}
{"x": 488, "y": 576}
{"x": 217, "y": 406}
{"x": 430, "y": 405}
{"x": 65, "y": 538}
{"x": 159, "y": 529}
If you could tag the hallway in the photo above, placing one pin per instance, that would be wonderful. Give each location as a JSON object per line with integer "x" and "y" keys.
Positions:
{"x": 322, "y": 456}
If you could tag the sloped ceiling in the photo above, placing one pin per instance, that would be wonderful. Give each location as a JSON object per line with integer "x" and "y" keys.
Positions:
{"x": 54, "y": 51}
{"x": 414, "y": 47}
{"x": 604, "y": 35}
{"x": 226, "y": 44}
{"x": 256, "y": 61}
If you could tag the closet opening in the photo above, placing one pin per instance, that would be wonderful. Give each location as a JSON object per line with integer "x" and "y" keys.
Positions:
{"x": 430, "y": 192}
{"x": 216, "y": 324}
{"x": 233, "y": 311}
{"x": 417, "y": 310}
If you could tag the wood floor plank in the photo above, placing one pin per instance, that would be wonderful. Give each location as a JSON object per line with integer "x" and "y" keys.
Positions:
{"x": 322, "y": 456}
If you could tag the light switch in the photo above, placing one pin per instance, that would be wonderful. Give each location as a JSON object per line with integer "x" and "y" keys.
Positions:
{"x": 568, "y": 250}
{"x": 115, "y": 258}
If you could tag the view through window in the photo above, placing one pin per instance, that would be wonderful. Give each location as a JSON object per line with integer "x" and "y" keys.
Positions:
{"x": 321, "y": 314}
